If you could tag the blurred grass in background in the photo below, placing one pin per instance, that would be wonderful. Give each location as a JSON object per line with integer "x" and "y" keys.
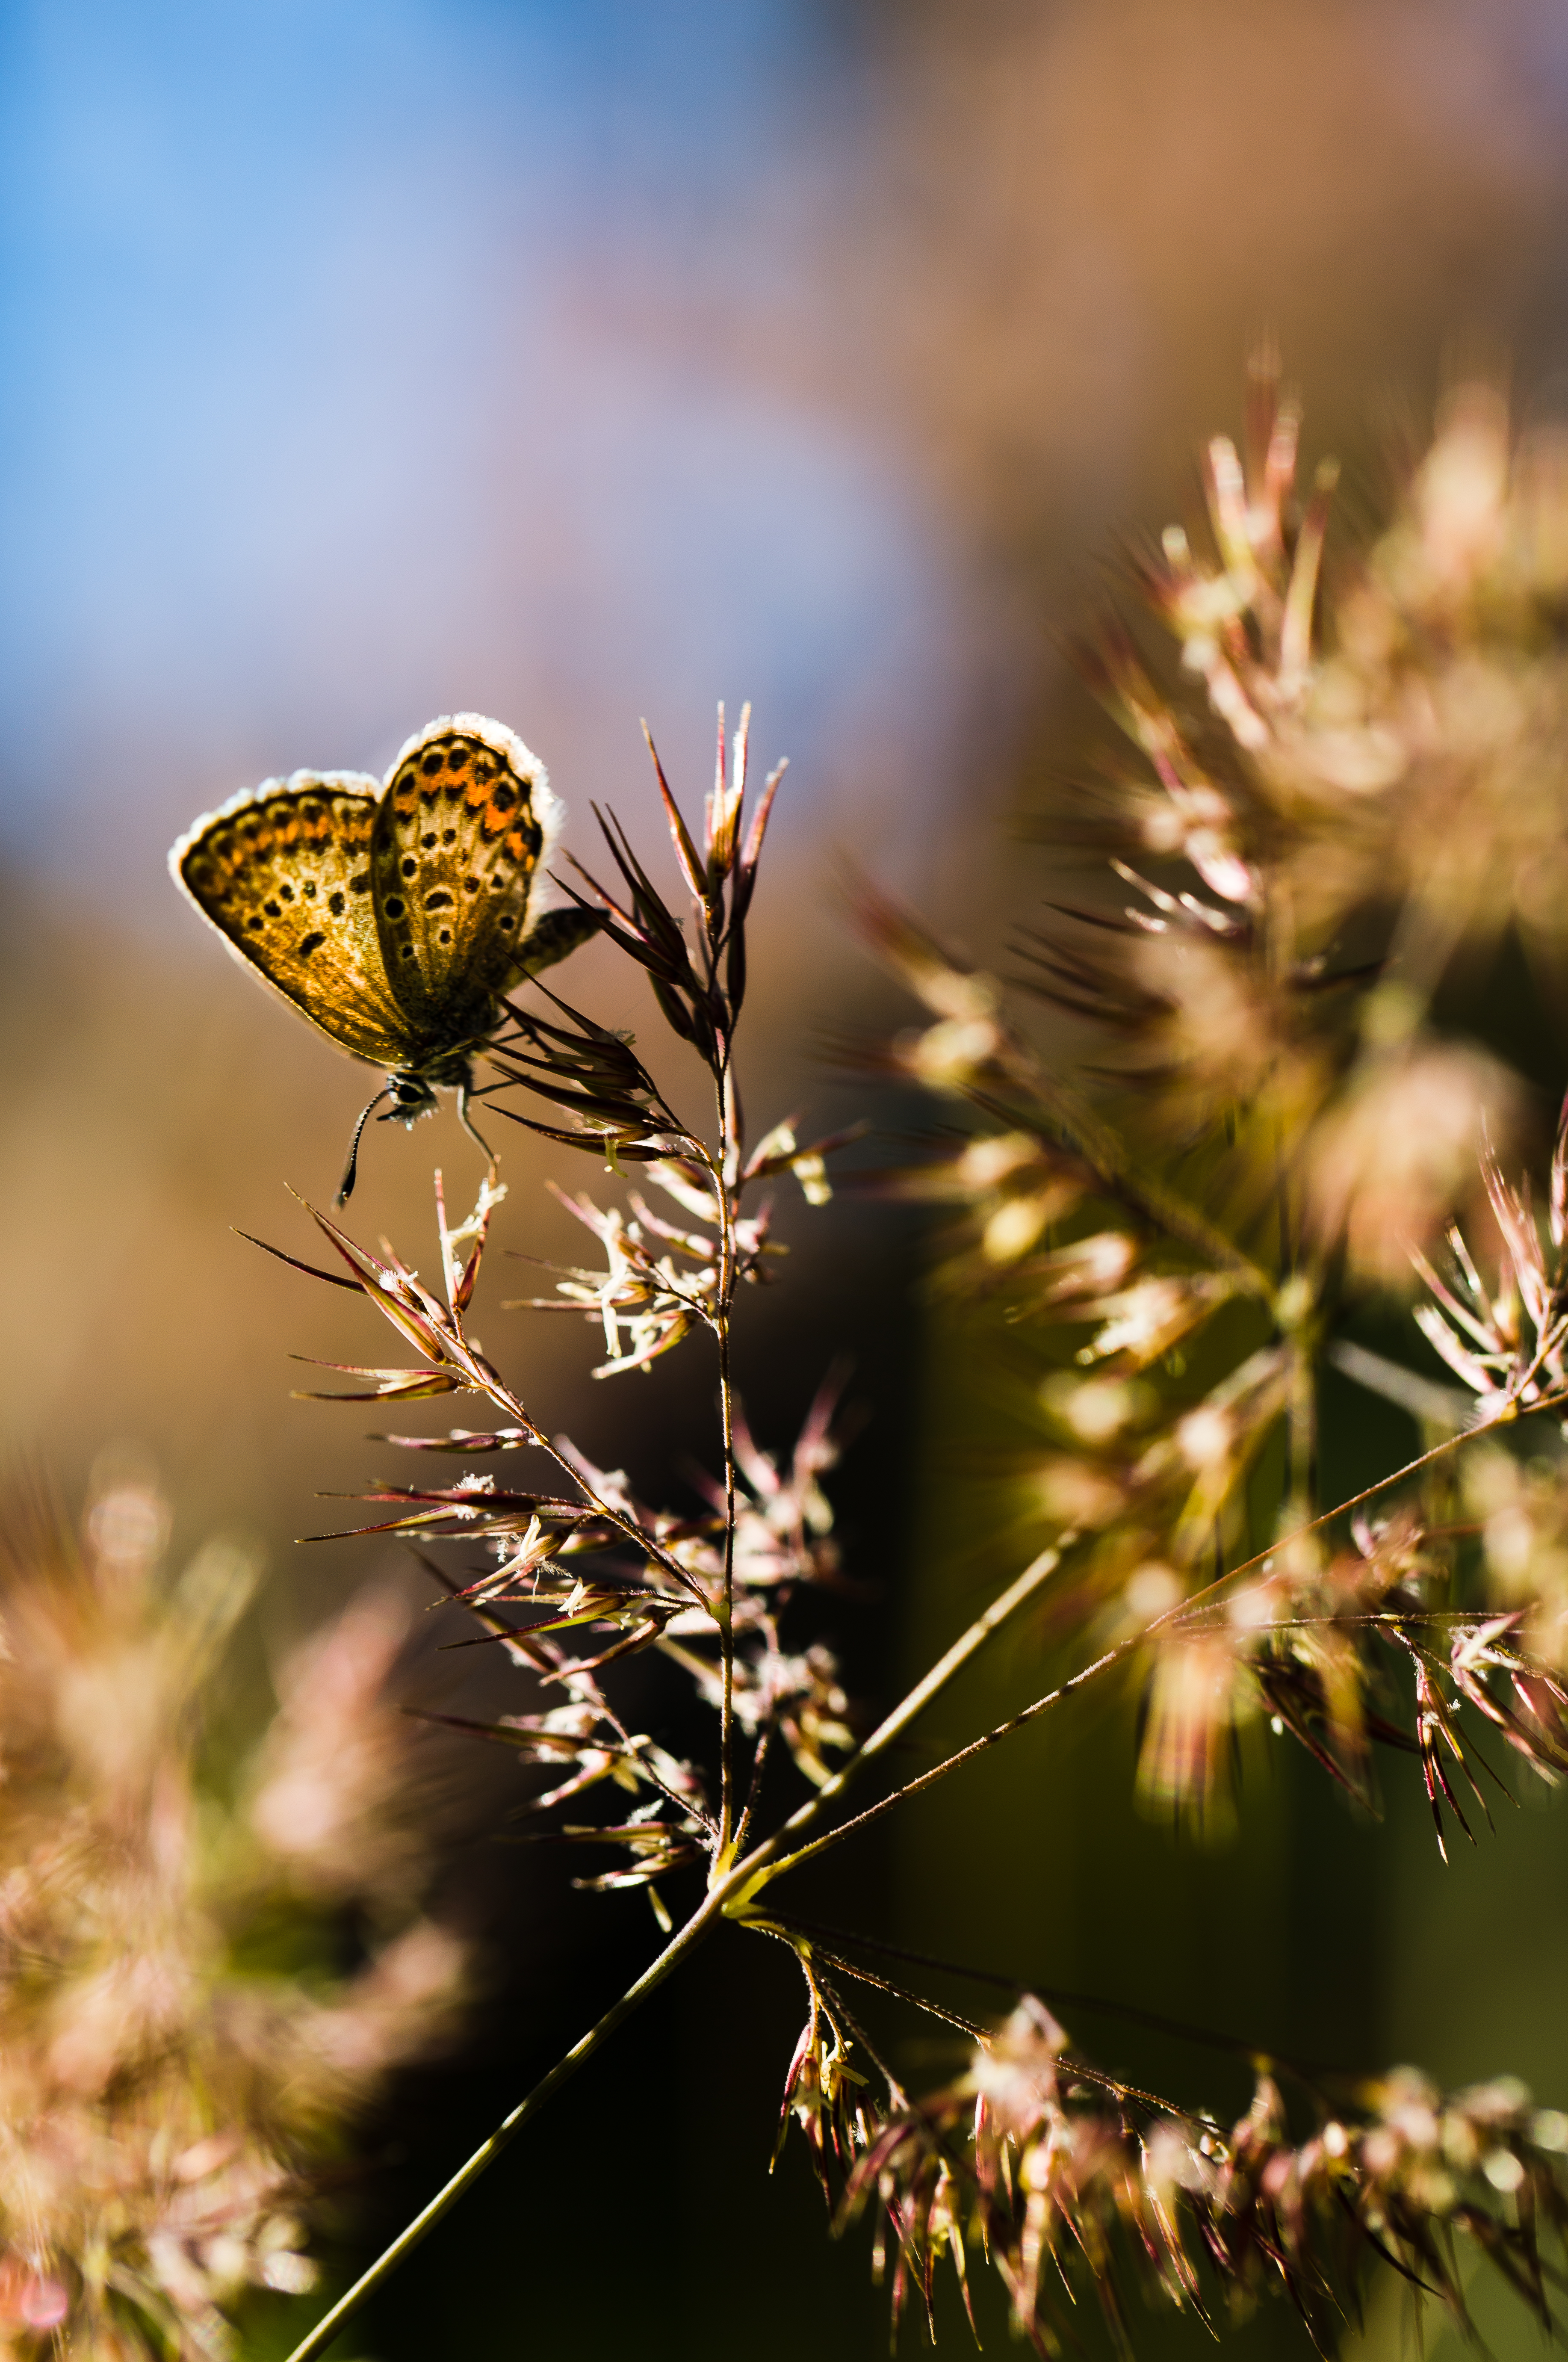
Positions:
{"x": 366, "y": 362}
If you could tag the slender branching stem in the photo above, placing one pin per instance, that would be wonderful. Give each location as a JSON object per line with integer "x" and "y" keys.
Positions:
{"x": 699, "y": 1925}
{"x": 802, "y": 1944}
{"x": 735, "y": 1887}
{"x": 928, "y": 1779}
{"x": 1038, "y": 1572}
{"x": 725, "y": 1180}
{"x": 1449, "y": 1443}
{"x": 729, "y": 1890}
{"x": 1311, "y": 2078}
{"x": 776, "y": 1865}
{"x": 725, "y": 1851}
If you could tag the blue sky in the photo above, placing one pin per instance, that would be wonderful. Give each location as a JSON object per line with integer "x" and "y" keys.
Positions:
{"x": 371, "y": 359}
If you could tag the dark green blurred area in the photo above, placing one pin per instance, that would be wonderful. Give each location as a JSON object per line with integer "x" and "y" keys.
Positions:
{"x": 1066, "y": 224}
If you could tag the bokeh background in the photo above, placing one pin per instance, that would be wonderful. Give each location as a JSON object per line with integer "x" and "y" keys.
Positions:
{"x": 367, "y": 360}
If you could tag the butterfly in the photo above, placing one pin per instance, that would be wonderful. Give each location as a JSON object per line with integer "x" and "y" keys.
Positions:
{"x": 395, "y": 915}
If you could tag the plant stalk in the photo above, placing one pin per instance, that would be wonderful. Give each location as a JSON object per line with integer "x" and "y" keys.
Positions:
{"x": 726, "y": 1187}
{"x": 732, "y": 1893}
{"x": 729, "y": 1890}
{"x": 699, "y": 1925}
{"x": 1005, "y": 1603}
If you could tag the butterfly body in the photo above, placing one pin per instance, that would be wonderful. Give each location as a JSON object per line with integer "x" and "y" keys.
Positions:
{"x": 393, "y": 916}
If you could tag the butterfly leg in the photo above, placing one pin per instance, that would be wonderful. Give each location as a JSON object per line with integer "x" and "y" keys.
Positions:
{"x": 466, "y": 1119}
{"x": 351, "y": 1170}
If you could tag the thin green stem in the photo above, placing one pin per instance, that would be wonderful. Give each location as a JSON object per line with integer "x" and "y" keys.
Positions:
{"x": 729, "y": 1892}
{"x": 787, "y": 1934}
{"x": 733, "y": 1891}
{"x": 1039, "y": 1570}
{"x": 1311, "y": 2078}
{"x": 725, "y": 1180}
{"x": 1413, "y": 1467}
{"x": 775, "y": 1865}
{"x": 699, "y": 1925}
{"x": 724, "y": 1851}
{"x": 928, "y": 1779}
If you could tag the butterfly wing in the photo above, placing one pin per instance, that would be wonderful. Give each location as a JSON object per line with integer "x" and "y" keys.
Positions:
{"x": 284, "y": 875}
{"x": 462, "y": 831}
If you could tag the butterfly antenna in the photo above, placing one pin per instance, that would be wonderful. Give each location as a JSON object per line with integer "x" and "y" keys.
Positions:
{"x": 351, "y": 1170}
{"x": 466, "y": 1119}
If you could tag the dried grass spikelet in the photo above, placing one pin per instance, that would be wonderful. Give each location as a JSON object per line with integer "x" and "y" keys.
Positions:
{"x": 1336, "y": 778}
{"x": 1372, "y": 761}
{"x": 163, "y": 2111}
{"x": 1506, "y": 1342}
{"x": 1408, "y": 744}
{"x": 1375, "y": 1642}
{"x": 1071, "y": 2183}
